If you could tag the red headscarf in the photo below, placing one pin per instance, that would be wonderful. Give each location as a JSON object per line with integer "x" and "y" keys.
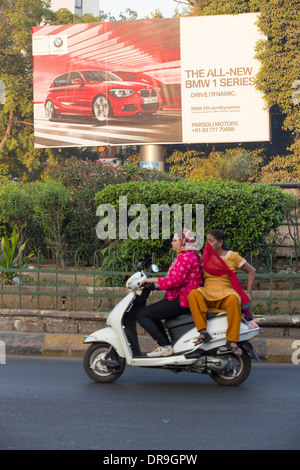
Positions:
{"x": 214, "y": 265}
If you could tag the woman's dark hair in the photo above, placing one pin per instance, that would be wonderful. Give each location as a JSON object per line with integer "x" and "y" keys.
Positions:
{"x": 218, "y": 235}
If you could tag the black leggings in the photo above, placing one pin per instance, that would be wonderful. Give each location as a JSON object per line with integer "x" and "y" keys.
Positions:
{"x": 150, "y": 318}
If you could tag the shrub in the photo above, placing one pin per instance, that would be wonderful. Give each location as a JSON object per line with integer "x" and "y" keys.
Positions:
{"x": 17, "y": 209}
{"x": 52, "y": 203}
{"x": 84, "y": 178}
{"x": 12, "y": 257}
{"x": 233, "y": 164}
{"x": 245, "y": 213}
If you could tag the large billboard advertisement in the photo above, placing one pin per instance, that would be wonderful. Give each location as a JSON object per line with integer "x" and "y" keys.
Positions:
{"x": 176, "y": 80}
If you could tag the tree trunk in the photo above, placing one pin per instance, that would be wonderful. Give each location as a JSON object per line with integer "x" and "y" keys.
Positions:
{"x": 7, "y": 132}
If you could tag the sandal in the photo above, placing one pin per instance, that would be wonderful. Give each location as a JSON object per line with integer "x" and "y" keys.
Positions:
{"x": 196, "y": 352}
{"x": 203, "y": 338}
{"x": 235, "y": 349}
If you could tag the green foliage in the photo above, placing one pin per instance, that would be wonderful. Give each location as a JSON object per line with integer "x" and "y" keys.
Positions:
{"x": 184, "y": 163}
{"x": 12, "y": 257}
{"x": 223, "y": 7}
{"x": 237, "y": 164}
{"x": 245, "y": 213}
{"x": 51, "y": 205}
{"x": 60, "y": 214}
{"x": 283, "y": 169}
{"x": 65, "y": 16}
{"x": 39, "y": 209}
{"x": 233, "y": 164}
{"x": 84, "y": 178}
{"x": 279, "y": 20}
{"x": 16, "y": 115}
{"x": 16, "y": 206}
{"x": 18, "y": 156}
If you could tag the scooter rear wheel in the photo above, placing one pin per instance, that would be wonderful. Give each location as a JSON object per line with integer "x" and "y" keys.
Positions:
{"x": 238, "y": 373}
{"x": 98, "y": 371}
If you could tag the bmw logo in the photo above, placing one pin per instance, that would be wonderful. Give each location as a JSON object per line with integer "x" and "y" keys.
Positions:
{"x": 58, "y": 42}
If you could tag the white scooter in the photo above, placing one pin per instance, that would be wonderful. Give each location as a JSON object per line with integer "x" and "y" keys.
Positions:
{"x": 113, "y": 347}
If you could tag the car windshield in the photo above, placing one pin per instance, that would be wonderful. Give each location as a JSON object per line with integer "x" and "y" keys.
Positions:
{"x": 100, "y": 76}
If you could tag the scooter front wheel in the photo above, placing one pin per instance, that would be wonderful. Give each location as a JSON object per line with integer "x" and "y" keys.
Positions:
{"x": 102, "y": 363}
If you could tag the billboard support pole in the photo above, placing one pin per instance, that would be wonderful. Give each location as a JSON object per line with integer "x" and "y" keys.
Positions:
{"x": 152, "y": 156}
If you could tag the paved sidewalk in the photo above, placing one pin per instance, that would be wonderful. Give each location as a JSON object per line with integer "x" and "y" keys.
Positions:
{"x": 51, "y": 344}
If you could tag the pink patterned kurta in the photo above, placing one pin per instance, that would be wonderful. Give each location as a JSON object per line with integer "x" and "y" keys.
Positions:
{"x": 183, "y": 276}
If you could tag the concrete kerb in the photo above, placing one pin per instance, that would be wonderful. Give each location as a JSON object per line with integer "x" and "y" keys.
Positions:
{"x": 52, "y": 344}
{"x": 61, "y": 333}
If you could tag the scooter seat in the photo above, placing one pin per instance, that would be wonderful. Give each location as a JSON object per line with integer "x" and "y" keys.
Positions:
{"x": 214, "y": 312}
{"x": 179, "y": 321}
{"x": 188, "y": 318}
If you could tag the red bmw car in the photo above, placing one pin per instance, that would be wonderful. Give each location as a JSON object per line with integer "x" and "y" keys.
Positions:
{"x": 101, "y": 94}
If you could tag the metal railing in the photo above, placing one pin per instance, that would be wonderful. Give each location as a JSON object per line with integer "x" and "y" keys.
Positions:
{"x": 30, "y": 281}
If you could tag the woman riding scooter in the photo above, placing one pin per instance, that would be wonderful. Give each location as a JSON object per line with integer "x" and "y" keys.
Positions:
{"x": 185, "y": 274}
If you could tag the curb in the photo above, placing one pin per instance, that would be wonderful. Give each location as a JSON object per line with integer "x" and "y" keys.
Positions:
{"x": 43, "y": 344}
{"x": 274, "y": 349}
{"x": 51, "y": 344}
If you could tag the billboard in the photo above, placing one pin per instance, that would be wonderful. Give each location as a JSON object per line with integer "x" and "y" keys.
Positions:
{"x": 173, "y": 80}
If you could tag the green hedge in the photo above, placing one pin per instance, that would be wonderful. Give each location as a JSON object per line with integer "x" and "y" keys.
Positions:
{"x": 246, "y": 213}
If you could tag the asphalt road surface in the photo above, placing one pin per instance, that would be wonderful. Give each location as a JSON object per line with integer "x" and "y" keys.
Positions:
{"x": 70, "y": 131}
{"x": 50, "y": 403}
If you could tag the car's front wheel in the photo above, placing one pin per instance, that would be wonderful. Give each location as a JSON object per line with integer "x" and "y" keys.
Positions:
{"x": 50, "y": 110}
{"x": 102, "y": 108}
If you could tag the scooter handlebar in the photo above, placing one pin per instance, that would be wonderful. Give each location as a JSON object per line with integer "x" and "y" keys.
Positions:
{"x": 149, "y": 285}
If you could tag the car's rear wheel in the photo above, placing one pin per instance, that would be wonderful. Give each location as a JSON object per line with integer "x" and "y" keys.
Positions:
{"x": 50, "y": 110}
{"x": 102, "y": 108}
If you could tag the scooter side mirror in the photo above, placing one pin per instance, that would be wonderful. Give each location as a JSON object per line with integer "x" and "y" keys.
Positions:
{"x": 139, "y": 266}
{"x": 153, "y": 268}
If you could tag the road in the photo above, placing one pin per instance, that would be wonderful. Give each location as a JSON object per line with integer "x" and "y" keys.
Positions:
{"x": 49, "y": 403}
{"x": 70, "y": 131}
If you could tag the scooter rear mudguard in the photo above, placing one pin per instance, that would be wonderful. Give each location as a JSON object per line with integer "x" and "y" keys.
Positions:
{"x": 106, "y": 335}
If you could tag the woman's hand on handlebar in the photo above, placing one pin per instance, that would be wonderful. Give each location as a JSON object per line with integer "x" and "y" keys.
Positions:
{"x": 148, "y": 282}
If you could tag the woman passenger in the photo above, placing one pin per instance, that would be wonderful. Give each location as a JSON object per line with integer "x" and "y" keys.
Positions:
{"x": 221, "y": 290}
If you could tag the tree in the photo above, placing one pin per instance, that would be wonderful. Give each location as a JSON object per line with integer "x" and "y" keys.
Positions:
{"x": 18, "y": 157}
{"x": 51, "y": 205}
{"x": 132, "y": 15}
{"x": 279, "y": 20}
{"x": 284, "y": 169}
{"x": 16, "y": 114}
{"x": 232, "y": 165}
{"x": 65, "y": 16}
{"x": 182, "y": 164}
{"x": 221, "y": 7}
{"x": 278, "y": 78}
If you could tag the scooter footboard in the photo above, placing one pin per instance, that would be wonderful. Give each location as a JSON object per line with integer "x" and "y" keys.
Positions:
{"x": 106, "y": 335}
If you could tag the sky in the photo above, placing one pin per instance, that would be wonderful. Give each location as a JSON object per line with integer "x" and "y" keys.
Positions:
{"x": 142, "y": 7}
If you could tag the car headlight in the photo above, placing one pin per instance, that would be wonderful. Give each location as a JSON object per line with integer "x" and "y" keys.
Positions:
{"x": 121, "y": 92}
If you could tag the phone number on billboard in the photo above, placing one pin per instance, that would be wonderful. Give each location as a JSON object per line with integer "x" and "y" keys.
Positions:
{"x": 214, "y": 126}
